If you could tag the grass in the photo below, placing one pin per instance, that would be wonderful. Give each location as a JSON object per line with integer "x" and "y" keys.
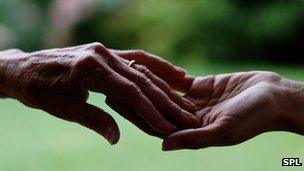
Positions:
{"x": 31, "y": 140}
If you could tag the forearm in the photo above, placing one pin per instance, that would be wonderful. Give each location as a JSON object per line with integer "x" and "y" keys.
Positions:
{"x": 6, "y": 58}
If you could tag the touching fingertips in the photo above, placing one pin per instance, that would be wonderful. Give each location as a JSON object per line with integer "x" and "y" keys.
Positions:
{"x": 191, "y": 122}
{"x": 181, "y": 70}
{"x": 187, "y": 121}
{"x": 188, "y": 104}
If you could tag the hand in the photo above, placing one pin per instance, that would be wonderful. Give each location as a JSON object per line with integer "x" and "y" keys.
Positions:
{"x": 162, "y": 73}
{"x": 233, "y": 108}
{"x": 58, "y": 80}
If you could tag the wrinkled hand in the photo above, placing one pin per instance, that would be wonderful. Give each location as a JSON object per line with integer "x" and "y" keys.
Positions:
{"x": 58, "y": 81}
{"x": 232, "y": 108}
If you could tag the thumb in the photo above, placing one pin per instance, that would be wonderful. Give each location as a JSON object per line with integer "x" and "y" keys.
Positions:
{"x": 95, "y": 119}
{"x": 210, "y": 135}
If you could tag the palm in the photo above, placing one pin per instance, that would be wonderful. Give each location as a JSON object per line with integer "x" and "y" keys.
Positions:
{"x": 234, "y": 103}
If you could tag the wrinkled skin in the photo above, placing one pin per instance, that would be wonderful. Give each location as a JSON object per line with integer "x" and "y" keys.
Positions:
{"x": 58, "y": 80}
{"x": 218, "y": 110}
{"x": 233, "y": 108}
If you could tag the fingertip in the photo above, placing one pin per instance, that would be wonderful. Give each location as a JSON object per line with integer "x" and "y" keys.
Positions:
{"x": 189, "y": 103}
{"x": 182, "y": 102}
{"x": 181, "y": 70}
{"x": 190, "y": 106}
{"x": 171, "y": 145}
{"x": 176, "y": 73}
{"x": 188, "y": 120}
{"x": 191, "y": 122}
{"x": 111, "y": 134}
{"x": 163, "y": 127}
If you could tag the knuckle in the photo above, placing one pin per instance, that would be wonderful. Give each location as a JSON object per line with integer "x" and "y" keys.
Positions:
{"x": 268, "y": 75}
{"x": 172, "y": 106}
{"x": 142, "y": 80}
{"x": 147, "y": 81}
{"x": 97, "y": 47}
{"x": 274, "y": 76}
{"x": 144, "y": 69}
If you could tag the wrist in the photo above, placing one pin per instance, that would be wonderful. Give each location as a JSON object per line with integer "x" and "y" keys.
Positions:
{"x": 294, "y": 115}
{"x": 8, "y": 61}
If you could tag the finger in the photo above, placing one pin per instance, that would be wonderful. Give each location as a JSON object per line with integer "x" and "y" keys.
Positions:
{"x": 182, "y": 84}
{"x": 157, "y": 65}
{"x": 173, "y": 112}
{"x": 202, "y": 86}
{"x": 91, "y": 117}
{"x": 173, "y": 75}
{"x": 133, "y": 118}
{"x": 212, "y": 135}
{"x": 179, "y": 100}
{"x": 126, "y": 92}
{"x": 99, "y": 77}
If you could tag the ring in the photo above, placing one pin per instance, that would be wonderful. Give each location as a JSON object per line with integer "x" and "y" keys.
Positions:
{"x": 132, "y": 62}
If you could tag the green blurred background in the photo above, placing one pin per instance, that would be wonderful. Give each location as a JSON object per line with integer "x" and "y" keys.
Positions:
{"x": 203, "y": 36}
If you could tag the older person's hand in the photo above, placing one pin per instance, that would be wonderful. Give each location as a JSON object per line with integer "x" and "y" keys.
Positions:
{"x": 233, "y": 108}
{"x": 58, "y": 81}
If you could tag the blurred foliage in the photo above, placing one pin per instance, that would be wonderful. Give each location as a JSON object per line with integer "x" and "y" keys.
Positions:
{"x": 215, "y": 30}
{"x": 220, "y": 30}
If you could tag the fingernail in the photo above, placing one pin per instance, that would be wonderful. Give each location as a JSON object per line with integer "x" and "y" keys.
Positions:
{"x": 171, "y": 145}
{"x": 110, "y": 135}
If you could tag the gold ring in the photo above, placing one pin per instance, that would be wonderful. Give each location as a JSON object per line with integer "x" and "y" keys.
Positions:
{"x": 131, "y": 63}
